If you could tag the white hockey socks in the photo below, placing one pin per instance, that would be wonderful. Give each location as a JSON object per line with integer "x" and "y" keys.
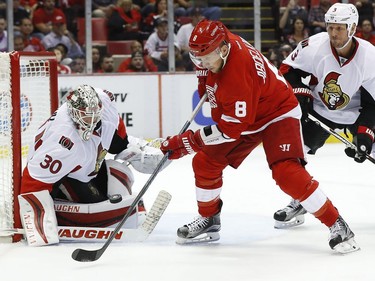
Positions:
{"x": 38, "y": 218}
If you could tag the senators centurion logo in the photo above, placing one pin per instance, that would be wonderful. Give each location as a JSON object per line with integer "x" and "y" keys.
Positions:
{"x": 332, "y": 96}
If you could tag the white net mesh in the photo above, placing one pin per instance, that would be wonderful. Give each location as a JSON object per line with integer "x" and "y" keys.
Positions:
{"x": 35, "y": 105}
{"x": 6, "y": 169}
{"x": 35, "y": 99}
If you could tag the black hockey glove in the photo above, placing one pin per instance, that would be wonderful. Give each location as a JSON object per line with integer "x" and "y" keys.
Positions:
{"x": 305, "y": 104}
{"x": 365, "y": 139}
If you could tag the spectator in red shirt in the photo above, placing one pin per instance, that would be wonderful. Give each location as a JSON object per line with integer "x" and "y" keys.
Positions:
{"x": 32, "y": 43}
{"x": 366, "y": 31}
{"x": 137, "y": 63}
{"x": 136, "y": 46}
{"x": 124, "y": 22}
{"x": 44, "y": 15}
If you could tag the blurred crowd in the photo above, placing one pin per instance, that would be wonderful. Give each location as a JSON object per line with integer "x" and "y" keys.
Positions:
{"x": 300, "y": 19}
{"x": 52, "y": 25}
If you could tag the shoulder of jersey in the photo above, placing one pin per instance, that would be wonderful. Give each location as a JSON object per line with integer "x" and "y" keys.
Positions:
{"x": 105, "y": 94}
{"x": 317, "y": 39}
{"x": 366, "y": 44}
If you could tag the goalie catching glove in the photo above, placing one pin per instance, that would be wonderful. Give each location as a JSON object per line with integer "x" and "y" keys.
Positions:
{"x": 190, "y": 142}
{"x": 144, "y": 156}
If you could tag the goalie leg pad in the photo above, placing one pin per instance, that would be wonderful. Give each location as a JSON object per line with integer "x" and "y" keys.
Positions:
{"x": 38, "y": 218}
{"x": 120, "y": 178}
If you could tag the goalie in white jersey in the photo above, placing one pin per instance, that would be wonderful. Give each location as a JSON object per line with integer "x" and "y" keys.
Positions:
{"x": 341, "y": 91}
{"x": 67, "y": 180}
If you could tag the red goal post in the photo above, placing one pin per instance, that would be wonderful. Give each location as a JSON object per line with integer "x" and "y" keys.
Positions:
{"x": 28, "y": 96}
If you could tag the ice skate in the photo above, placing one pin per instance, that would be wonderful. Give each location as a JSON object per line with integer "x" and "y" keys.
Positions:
{"x": 202, "y": 229}
{"x": 291, "y": 215}
{"x": 341, "y": 238}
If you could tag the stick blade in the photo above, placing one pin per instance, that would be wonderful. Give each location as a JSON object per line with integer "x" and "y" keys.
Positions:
{"x": 82, "y": 255}
{"x": 152, "y": 218}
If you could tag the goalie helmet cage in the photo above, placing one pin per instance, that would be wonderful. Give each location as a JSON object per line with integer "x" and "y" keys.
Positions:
{"x": 28, "y": 97}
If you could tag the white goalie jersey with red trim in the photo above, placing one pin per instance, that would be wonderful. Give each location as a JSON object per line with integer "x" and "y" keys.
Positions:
{"x": 58, "y": 149}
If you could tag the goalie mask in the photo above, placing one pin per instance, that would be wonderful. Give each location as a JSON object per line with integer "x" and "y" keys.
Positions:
{"x": 84, "y": 107}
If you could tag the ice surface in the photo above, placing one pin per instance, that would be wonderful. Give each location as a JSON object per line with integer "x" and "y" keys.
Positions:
{"x": 249, "y": 248}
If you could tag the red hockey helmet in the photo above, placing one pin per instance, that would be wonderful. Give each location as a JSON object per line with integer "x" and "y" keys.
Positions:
{"x": 206, "y": 37}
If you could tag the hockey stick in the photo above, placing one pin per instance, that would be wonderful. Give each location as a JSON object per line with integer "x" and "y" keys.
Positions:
{"x": 93, "y": 255}
{"x": 96, "y": 234}
{"x": 339, "y": 137}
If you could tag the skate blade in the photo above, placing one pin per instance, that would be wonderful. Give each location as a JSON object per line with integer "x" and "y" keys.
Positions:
{"x": 298, "y": 220}
{"x": 347, "y": 247}
{"x": 203, "y": 238}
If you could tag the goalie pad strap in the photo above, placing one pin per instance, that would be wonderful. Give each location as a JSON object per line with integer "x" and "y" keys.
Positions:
{"x": 38, "y": 218}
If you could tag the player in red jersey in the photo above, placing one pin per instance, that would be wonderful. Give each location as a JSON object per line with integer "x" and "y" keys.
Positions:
{"x": 251, "y": 103}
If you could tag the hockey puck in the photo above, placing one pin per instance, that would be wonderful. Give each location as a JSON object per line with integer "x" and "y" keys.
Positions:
{"x": 115, "y": 198}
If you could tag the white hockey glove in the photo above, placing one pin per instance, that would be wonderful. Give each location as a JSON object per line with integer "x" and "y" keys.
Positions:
{"x": 144, "y": 156}
{"x": 38, "y": 218}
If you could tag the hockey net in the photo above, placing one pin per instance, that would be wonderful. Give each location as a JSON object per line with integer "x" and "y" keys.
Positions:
{"x": 28, "y": 96}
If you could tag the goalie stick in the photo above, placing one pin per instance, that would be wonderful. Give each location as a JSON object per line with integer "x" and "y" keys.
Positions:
{"x": 83, "y": 255}
{"x": 96, "y": 234}
{"x": 339, "y": 137}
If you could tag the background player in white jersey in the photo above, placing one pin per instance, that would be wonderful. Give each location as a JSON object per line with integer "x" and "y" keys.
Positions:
{"x": 341, "y": 91}
{"x": 67, "y": 164}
